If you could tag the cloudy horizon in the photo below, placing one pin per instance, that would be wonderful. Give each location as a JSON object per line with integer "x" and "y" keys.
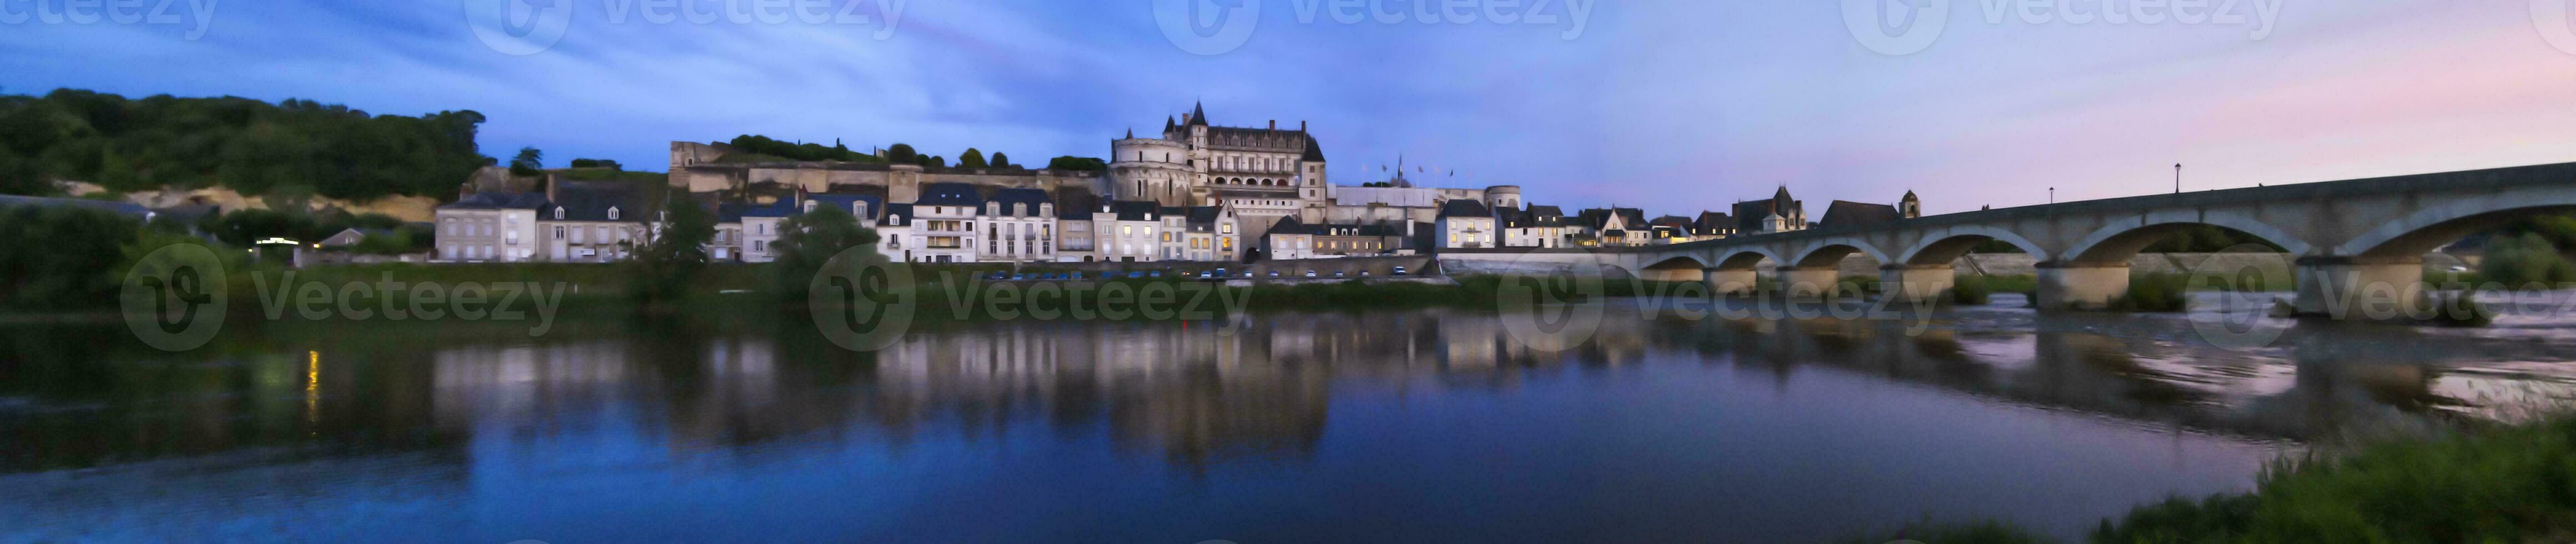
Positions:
{"x": 1704, "y": 103}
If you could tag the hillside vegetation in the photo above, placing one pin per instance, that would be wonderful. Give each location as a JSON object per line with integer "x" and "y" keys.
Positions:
{"x": 251, "y": 147}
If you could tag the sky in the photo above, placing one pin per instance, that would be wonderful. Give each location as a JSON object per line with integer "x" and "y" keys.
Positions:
{"x": 1671, "y": 105}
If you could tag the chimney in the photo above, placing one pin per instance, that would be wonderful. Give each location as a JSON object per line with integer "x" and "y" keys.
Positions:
{"x": 1274, "y": 124}
{"x": 1301, "y": 126}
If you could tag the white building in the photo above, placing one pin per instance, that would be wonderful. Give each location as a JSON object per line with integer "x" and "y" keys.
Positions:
{"x": 1466, "y": 224}
{"x": 943, "y": 229}
{"x": 490, "y": 227}
{"x": 1019, "y": 226}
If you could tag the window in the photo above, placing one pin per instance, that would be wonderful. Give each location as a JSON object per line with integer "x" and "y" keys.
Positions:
{"x": 559, "y": 232}
{"x": 558, "y": 213}
{"x": 612, "y": 213}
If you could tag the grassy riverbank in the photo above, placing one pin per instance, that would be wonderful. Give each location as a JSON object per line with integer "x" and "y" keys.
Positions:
{"x": 2504, "y": 484}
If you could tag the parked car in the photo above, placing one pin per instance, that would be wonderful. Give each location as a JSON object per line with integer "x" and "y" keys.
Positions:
{"x": 1207, "y": 274}
{"x": 1363, "y": 273}
{"x": 1137, "y": 275}
{"x": 1340, "y": 274}
{"x": 1154, "y": 274}
{"x": 998, "y": 276}
{"x": 1274, "y": 273}
{"x": 1311, "y": 273}
{"x": 1399, "y": 271}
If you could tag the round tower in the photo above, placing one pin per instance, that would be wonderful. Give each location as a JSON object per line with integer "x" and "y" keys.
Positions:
{"x": 1149, "y": 169}
{"x": 1503, "y": 196}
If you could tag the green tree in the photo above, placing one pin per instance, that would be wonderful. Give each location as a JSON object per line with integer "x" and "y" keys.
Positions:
{"x": 972, "y": 158}
{"x": 61, "y": 256}
{"x": 807, "y": 242}
{"x": 673, "y": 254}
{"x": 902, "y": 153}
{"x": 1085, "y": 164}
{"x": 529, "y": 163}
{"x": 1002, "y": 160}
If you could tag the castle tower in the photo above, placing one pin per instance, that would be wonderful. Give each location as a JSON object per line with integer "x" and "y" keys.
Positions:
{"x": 1909, "y": 206}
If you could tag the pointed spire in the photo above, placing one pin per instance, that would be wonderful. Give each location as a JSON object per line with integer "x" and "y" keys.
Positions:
{"x": 1198, "y": 114}
{"x": 1131, "y": 133}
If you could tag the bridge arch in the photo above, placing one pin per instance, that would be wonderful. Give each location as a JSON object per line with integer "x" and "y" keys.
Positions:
{"x": 1945, "y": 246}
{"x": 1677, "y": 262}
{"x": 2116, "y": 243}
{"x": 2437, "y": 226}
{"x": 1745, "y": 258}
{"x": 1829, "y": 252}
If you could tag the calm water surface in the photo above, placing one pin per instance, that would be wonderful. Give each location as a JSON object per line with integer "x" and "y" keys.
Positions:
{"x": 1392, "y": 426}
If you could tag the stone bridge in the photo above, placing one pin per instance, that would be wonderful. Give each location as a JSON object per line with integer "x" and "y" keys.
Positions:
{"x": 2348, "y": 236}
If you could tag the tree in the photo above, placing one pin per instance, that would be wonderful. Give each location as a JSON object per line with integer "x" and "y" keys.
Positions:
{"x": 971, "y": 159}
{"x": 1069, "y": 162}
{"x": 673, "y": 253}
{"x": 1002, "y": 160}
{"x": 807, "y": 242}
{"x": 529, "y": 163}
{"x": 902, "y": 153}
{"x": 934, "y": 162}
{"x": 61, "y": 256}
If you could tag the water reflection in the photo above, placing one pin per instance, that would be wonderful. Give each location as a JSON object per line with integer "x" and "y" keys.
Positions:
{"x": 452, "y": 427}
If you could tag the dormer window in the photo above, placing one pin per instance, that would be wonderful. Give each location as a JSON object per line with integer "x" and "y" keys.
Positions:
{"x": 612, "y": 213}
{"x": 992, "y": 209}
{"x": 809, "y": 206}
{"x": 859, "y": 209}
{"x": 558, "y": 213}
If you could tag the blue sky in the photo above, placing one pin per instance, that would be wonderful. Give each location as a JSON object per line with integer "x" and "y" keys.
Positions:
{"x": 1672, "y": 105}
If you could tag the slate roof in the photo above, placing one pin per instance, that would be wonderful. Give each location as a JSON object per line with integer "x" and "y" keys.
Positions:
{"x": 1465, "y": 208}
{"x": 896, "y": 215}
{"x": 1072, "y": 206}
{"x": 949, "y": 194}
{"x": 1713, "y": 223}
{"x": 1843, "y": 213}
{"x": 876, "y": 204}
{"x": 1020, "y": 202}
{"x": 1134, "y": 210}
{"x": 590, "y": 201}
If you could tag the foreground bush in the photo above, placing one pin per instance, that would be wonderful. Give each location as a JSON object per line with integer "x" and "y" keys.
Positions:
{"x": 2519, "y": 261}
{"x": 2503, "y": 485}
{"x": 1971, "y": 290}
{"x": 2155, "y": 293}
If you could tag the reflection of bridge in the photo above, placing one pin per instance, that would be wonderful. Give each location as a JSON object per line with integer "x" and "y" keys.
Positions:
{"x": 2347, "y": 234}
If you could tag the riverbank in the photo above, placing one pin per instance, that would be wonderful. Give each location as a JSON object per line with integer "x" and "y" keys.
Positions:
{"x": 2500, "y": 484}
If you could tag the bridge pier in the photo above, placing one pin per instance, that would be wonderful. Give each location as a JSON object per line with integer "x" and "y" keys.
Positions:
{"x": 1806, "y": 283}
{"x": 1917, "y": 283}
{"x": 2081, "y": 286}
{"x": 2330, "y": 285}
{"x": 1729, "y": 282}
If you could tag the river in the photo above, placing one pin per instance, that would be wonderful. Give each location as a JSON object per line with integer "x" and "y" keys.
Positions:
{"x": 1430, "y": 425}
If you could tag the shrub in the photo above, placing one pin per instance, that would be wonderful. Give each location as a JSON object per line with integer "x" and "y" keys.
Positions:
{"x": 2523, "y": 260}
{"x": 2155, "y": 293}
{"x": 2503, "y": 485}
{"x": 1970, "y": 290}
{"x": 61, "y": 256}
